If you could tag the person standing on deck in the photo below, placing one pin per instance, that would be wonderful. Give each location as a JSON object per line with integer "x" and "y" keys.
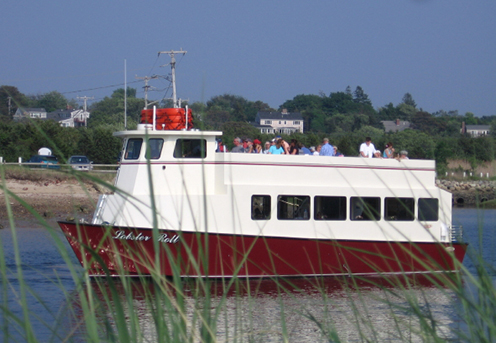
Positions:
{"x": 238, "y": 147}
{"x": 327, "y": 149}
{"x": 367, "y": 149}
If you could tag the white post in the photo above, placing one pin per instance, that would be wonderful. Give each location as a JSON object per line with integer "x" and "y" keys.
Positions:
{"x": 481, "y": 174}
{"x": 470, "y": 173}
{"x": 464, "y": 174}
{"x": 1, "y": 159}
{"x": 19, "y": 160}
{"x": 487, "y": 175}
{"x": 154, "y": 116}
{"x": 186, "y": 114}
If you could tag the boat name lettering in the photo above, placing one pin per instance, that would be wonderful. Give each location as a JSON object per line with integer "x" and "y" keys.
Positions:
{"x": 131, "y": 236}
{"x": 140, "y": 237}
{"x": 165, "y": 239}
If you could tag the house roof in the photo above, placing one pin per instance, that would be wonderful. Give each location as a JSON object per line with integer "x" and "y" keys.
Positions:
{"x": 32, "y": 109}
{"x": 479, "y": 127}
{"x": 60, "y": 114}
{"x": 395, "y": 125}
{"x": 280, "y": 115}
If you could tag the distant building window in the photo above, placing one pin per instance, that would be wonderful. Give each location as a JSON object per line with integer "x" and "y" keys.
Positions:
{"x": 365, "y": 208}
{"x": 190, "y": 148}
{"x": 260, "y": 207}
{"x": 329, "y": 208}
{"x": 293, "y": 207}
{"x": 428, "y": 209}
{"x": 399, "y": 209}
{"x": 296, "y": 122}
{"x": 133, "y": 148}
{"x": 268, "y": 122}
{"x": 279, "y": 122}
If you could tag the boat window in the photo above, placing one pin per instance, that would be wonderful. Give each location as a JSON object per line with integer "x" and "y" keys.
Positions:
{"x": 190, "y": 148}
{"x": 400, "y": 209}
{"x": 428, "y": 209}
{"x": 133, "y": 148}
{"x": 365, "y": 208}
{"x": 293, "y": 207}
{"x": 155, "y": 148}
{"x": 260, "y": 207}
{"x": 329, "y": 208}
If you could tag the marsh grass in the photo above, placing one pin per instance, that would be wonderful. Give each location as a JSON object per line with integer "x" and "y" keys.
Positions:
{"x": 154, "y": 308}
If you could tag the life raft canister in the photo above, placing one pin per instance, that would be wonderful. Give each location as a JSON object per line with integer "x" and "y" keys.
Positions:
{"x": 168, "y": 118}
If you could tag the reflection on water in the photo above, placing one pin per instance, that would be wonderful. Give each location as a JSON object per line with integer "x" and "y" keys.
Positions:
{"x": 301, "y": 310}
{"x": 251, "y": 311}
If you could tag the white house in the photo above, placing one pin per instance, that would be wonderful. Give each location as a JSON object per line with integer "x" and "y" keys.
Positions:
{"x": 475, "y": 130}
{"x": 279, "y": 122}
{"x": 25, "y": 113}
{"x": 70, "y": 117}
{"x": 395, "y": 125}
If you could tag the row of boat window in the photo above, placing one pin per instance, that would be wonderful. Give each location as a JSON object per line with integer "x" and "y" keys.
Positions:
{"x": 298, "y": 207}
{"x": 185, "y": 148}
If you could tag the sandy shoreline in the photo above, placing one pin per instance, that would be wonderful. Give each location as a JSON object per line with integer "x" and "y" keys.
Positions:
{"x": 61, "y": 200}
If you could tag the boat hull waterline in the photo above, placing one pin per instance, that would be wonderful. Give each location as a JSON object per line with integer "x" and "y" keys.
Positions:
{"x": 133, "y": 251}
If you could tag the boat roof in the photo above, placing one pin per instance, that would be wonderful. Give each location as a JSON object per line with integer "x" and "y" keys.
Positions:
{"x": 172, "y": 133}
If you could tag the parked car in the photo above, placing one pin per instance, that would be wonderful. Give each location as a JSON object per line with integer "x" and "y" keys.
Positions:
{"x": 44, "y": 161}
{"x": 80, "y": 163}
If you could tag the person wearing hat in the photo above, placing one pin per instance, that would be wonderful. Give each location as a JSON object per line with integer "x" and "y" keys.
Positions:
{"x": 257, "y": 147}
{"x": 220, "y": 146}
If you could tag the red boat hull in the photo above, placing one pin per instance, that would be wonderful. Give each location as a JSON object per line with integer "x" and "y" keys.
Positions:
{"x": 134, "y": 251}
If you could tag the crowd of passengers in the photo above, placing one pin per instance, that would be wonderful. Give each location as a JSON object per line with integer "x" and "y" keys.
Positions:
{"x": 278, "y": 146}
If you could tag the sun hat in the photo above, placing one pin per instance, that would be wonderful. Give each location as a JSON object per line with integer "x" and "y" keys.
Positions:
{"x": 256, "y": 141}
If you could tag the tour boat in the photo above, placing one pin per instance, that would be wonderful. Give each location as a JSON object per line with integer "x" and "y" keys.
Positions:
{"x": 179, "y": 208}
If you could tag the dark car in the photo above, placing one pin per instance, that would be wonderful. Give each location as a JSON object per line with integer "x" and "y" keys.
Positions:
{"x": 44, "y": 161}
{"x": 80, "y": 163}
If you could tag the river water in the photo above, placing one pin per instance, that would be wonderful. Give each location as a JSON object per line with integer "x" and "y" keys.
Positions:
{"x": 51, "y": 286}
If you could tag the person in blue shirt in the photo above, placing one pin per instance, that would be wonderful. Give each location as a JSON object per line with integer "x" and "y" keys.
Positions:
{"x": 277, "y": 149}
{"x": 304, "y": 149}
{"x": 327, "y": 149}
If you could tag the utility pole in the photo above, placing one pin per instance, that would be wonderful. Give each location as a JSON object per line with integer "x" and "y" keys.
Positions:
{"x": 85, "y": 99}
{"x": 9, "y": 99}
{"x": 146, "y": 87}
{"x": 172, "y": 54}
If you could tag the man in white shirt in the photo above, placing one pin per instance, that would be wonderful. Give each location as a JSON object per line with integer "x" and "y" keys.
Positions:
{"x": 367, "y": 149}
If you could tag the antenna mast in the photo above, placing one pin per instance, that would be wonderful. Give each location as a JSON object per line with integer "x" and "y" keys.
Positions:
{"x": 173, "y": 72}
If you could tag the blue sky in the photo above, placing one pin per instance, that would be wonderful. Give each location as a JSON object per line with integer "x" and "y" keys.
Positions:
{"x": 443, "y": 52}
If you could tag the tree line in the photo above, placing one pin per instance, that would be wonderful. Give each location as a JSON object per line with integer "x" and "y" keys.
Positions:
{"x": 346, "y": 118}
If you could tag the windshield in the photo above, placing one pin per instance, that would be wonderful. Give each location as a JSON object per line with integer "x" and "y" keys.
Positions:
{"x": 79, "y": 159}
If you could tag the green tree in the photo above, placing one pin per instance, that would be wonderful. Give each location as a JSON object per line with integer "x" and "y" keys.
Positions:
{"x": 388, "y": 112}
{"x": 360, "y": 97}
{"x": 110, "y": 110}
{"x": 418, "y": 144}
{"x": 238, "y": 129}
{"x": 408, "y": 100}
{"x": 51, "y": 101}
{"x": 311, "y": 109}
{"x": 10, "y": 94}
